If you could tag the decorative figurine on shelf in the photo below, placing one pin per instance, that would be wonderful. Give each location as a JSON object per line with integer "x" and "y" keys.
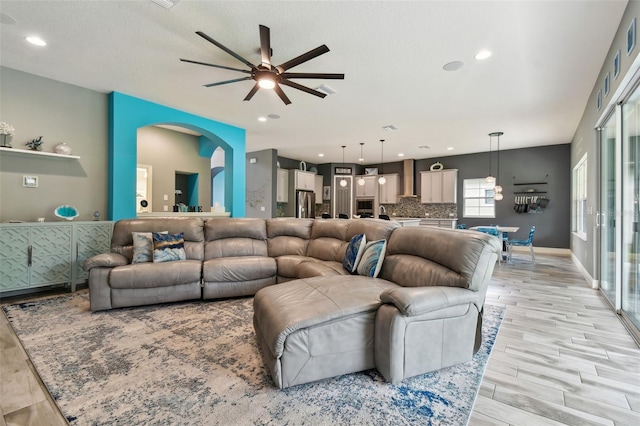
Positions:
{"x": 35, "y": 144}
{"x": 6, "y": 134}
{"x": 96, "y": 215}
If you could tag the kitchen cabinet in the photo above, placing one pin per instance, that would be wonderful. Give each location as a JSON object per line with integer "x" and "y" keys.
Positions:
{"x": 439, "y": 186}
{"x": 282, "y": 183}
{"x": 35, "y": 255}
{"x": 318, "y": 188}
{"x": 303, "y": 180}
{"x": 390, "y": 190}
{"x": 368, "y": 190}
{"x": 440, "y": 223}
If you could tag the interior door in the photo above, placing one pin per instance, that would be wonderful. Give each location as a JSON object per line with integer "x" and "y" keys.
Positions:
{"x": 342, "y": 196}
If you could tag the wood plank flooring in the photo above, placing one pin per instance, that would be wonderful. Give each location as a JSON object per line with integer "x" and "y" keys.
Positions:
{"x": 561, "y": 357}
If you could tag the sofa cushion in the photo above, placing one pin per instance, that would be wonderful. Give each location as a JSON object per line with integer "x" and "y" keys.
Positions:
{"x": 149, "y": 275}
{"x": 319, "y": 268}
{"x": 288, "y": 236}
{"x": 143, "y": 246}
{"x": 168, "y": 247}
{"x": 354, "y": 252}
{"x": 238, "y": 269}
{"x": 372, "y": 258}
{"x": 287, "y": 264}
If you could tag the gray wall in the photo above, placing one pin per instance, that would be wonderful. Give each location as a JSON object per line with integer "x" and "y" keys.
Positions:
{"x": 585, "y": 139}
{"x": 169, "y": 152}
{"x": 519, "y": 166}
{"x": 261, "y": 184}
{"x": 59, "y": 112}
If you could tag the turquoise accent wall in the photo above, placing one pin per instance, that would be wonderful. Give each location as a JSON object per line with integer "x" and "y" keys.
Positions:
{"x": 127, "y": 114}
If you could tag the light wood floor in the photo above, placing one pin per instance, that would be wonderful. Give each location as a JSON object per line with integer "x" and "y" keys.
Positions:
{"x": 561, "y": 357}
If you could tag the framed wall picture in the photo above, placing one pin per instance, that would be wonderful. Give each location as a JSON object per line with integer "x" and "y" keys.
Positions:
{"x": 616, "y": 65}
{"x": 30, "y": 181}
{"x": 370, "y": 170}
{"x": 631, "y": 37}
{"x": 342, "y": 171}
{"x": 607, "y": 84}
{"x": 326, "y": 193}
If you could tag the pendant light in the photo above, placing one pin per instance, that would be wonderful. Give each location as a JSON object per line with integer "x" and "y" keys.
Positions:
{"x": 498, "y": 196}
{"x": 381, "y": 179}
{"x": 361, "y": 180}
{"x": 490, "y": 178}
{"x": 343, "y": 181}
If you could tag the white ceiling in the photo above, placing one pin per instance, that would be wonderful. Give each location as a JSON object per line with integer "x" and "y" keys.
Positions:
{"x": 546, "y": 58}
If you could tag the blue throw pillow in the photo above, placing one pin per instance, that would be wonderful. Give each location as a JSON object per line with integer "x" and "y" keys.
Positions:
{"x": 168, "y": 247}
{"x": 354, "y": 252}
{"x": 143, "y": 246}
{"x": 372, "y": 258}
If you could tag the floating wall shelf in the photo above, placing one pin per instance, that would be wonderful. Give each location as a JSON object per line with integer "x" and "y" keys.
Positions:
{"x": 41, "y": 153}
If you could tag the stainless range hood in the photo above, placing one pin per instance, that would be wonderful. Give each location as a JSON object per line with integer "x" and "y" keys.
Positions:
{"x": 408, "y": 178}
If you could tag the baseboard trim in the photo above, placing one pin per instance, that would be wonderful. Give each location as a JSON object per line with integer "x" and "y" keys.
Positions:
{"x": 595, "y": 284}
{"x": 543, "y": 250}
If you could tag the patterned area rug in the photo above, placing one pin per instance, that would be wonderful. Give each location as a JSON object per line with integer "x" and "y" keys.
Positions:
{"x": 197, "y": 363}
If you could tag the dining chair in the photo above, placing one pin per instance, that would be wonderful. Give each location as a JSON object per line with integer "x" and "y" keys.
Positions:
{"x": 524, "y": 243}
{"x": 462, "y": 226}
{"x": 326, "y": 216}
{"x": 342, "y": 216}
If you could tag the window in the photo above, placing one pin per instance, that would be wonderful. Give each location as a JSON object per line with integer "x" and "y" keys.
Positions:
{"x": 478, "y": 198}
{"x": 579, "y": 222}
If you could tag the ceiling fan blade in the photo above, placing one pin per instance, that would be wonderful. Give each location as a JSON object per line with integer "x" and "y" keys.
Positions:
{"x": 280, "y": 93}
{"x": 312, "y": 75}
{"x": 304, "y": 58}
{"x": 252, "y": 92}
{"x": 226, "y": 49}
{"x": 227, "y": 81}
{"x": 215, "y": 66}
{"x": 265, "y": 45}
{"x": 303, "y": 88}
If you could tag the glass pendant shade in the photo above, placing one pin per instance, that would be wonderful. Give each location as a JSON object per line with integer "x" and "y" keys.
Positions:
{"x": 490, "y": 179}
{"x": 498, "y": 196}
{"x": 498, "y": 189}
{"x": 361, "y": 181}
{"x": 382, "y": 180}
{"x": 343, "y": 182}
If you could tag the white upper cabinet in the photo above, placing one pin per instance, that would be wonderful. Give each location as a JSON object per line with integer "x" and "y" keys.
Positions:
{"x": 390, "y": 190}
{"x": 367, "y": 190}
{"x": 439, "y": 186}
{"x": 304, "y": 180}
{"x": 282, "y": 195}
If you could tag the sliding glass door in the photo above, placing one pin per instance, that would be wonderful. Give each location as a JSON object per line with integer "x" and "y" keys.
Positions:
{"x": 607, "y": 213}
{"x": 630, "y": 176}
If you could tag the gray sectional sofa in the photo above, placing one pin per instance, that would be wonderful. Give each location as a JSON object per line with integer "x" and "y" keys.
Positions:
{"x": 313, "y": 318}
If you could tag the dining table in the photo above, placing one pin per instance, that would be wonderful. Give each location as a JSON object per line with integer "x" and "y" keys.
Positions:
{"x": 502, "y": 230}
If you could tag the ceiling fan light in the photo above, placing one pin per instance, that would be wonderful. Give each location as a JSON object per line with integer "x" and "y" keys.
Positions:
{"x": 266, "y": 83}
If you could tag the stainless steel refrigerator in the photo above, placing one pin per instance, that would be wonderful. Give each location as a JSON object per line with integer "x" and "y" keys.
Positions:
{"x": 305, "y": 204}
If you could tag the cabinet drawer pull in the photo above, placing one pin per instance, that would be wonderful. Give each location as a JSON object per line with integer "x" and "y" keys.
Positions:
{"x": 30, "y": 255}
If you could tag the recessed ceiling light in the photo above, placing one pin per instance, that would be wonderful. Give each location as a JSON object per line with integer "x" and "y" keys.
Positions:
{"x": 273, "y": 116}
{"x": 321, "y": 155}
{"x": 400, "y": 154}
{"x": 483, "y": 54}
{"x": 262, "y": 118}
{"x": 390, "y": 128}
{"x": 453, "y": 66}
{"x": 424, "y": 147}
{"x": 36, "y": 40}
{"x": 450, "y": 148}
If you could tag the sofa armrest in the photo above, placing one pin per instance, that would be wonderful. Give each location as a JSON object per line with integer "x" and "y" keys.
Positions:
{"x": 412, "y": 301}
{"x": 106, "y": 260}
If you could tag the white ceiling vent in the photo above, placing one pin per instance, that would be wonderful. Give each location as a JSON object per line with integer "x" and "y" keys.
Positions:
{"x": 390, "y": 128}
{"x": 167, "y": 4}
{"x": 323, "y": 88}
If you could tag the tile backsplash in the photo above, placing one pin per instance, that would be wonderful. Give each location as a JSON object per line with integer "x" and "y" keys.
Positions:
{"x": 411, "y": 207}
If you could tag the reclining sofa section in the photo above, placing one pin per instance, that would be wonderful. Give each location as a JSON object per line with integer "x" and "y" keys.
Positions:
{"x": 422, "y": 313}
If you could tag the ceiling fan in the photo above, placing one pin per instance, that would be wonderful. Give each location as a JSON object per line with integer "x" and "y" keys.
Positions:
{"x": 266, "y": 75}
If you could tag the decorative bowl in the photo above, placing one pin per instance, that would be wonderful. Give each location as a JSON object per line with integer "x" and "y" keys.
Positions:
{"x": 66, "y": 212}
{"x": 62, "y": 148}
